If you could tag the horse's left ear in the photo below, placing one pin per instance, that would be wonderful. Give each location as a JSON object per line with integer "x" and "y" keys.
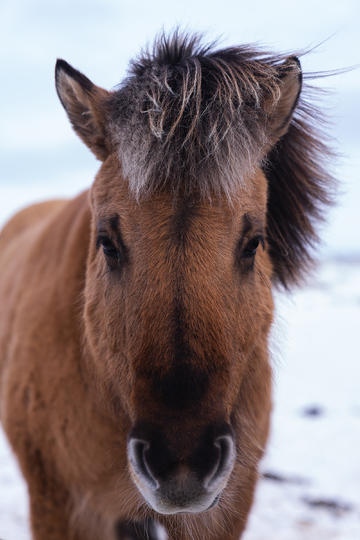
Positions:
{"x": 280, "y": 114}
{"x": 84, "y": 103}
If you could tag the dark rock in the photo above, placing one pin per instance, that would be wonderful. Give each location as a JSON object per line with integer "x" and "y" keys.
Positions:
{"x": 335, "y": 506}
{"x": 313, "y": 410}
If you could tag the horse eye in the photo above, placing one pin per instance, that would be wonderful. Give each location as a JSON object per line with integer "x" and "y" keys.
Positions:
{"x": 252, "y": 245}
{"x": 108, "y": 247}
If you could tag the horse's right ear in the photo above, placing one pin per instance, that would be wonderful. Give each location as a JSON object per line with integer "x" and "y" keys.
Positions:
{"x": 84, "y": 103}
{"x": 290, "y": 83}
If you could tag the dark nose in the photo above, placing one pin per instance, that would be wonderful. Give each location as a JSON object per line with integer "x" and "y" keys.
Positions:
{"x": 156, "y": 462}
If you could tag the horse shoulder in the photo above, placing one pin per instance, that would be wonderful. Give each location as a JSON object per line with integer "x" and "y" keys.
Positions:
{"x": 42, "y": 268}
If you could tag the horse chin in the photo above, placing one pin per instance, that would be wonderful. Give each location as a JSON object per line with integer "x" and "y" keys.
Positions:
{"x": 167, "y": 501}
{"x": 165, "y": 507}
{"x": 162, "y": 504}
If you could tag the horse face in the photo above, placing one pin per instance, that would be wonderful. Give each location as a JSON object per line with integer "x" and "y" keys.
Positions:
{"x": 177, "y": 316}
{"x": 178, "y": 300}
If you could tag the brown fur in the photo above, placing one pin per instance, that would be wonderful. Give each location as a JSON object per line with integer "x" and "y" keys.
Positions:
{"x": 170, "y": 326}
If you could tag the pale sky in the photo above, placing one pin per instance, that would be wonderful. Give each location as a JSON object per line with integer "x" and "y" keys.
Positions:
{"x": 41, "y": 156}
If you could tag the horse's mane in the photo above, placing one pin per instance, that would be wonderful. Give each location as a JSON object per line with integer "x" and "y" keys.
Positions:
{"x": 191, "y": 117}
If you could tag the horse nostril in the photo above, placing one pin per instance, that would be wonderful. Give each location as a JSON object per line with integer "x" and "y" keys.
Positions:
{"x": 137, "y": 449}
{"x": 224, "y": 461}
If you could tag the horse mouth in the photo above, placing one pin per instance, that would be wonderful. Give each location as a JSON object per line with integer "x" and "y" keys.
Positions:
{"x": 162, "y": 505}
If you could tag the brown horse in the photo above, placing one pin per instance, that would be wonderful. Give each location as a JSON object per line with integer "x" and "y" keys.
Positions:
{"x": 135, "y": 375}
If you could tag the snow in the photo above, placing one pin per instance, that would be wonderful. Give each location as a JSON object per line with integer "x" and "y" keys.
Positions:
{"x": 13, "y": 497}
{"x": 317, "y": 456}
{"x": 312, "y": 470}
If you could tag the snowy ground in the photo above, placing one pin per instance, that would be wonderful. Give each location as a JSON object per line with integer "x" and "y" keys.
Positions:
{"x": 312, "y": 469}
{"x": 315, "y": 444}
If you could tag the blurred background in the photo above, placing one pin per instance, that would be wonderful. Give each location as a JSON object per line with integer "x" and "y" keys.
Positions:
{"x": 311, "y": 474}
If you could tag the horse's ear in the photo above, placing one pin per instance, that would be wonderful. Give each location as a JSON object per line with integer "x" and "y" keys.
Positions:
{"x": 290, "y": 76}
{"x": 84, "y": 103}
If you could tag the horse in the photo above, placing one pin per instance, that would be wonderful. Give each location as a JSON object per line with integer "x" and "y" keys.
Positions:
{"x": 135, "y": 368}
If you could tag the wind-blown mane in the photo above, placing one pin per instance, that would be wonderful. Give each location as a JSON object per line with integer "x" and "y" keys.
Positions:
{"x": 196, "y": 119}
{"x": 300, "y": 187}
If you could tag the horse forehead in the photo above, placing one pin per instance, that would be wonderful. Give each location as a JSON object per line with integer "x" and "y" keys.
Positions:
{"x": 111, "y": 196}
{"x": 185, "y": 219}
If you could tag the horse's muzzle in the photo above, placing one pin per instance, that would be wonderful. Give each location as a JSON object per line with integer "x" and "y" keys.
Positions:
{"x": 190, "y": 485}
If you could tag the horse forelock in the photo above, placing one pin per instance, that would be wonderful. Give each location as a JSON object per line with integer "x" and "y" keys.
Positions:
{"x": 191, "y": 117}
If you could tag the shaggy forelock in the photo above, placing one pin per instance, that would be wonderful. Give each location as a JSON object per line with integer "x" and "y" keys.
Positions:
{"x": 191, "y": 118}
